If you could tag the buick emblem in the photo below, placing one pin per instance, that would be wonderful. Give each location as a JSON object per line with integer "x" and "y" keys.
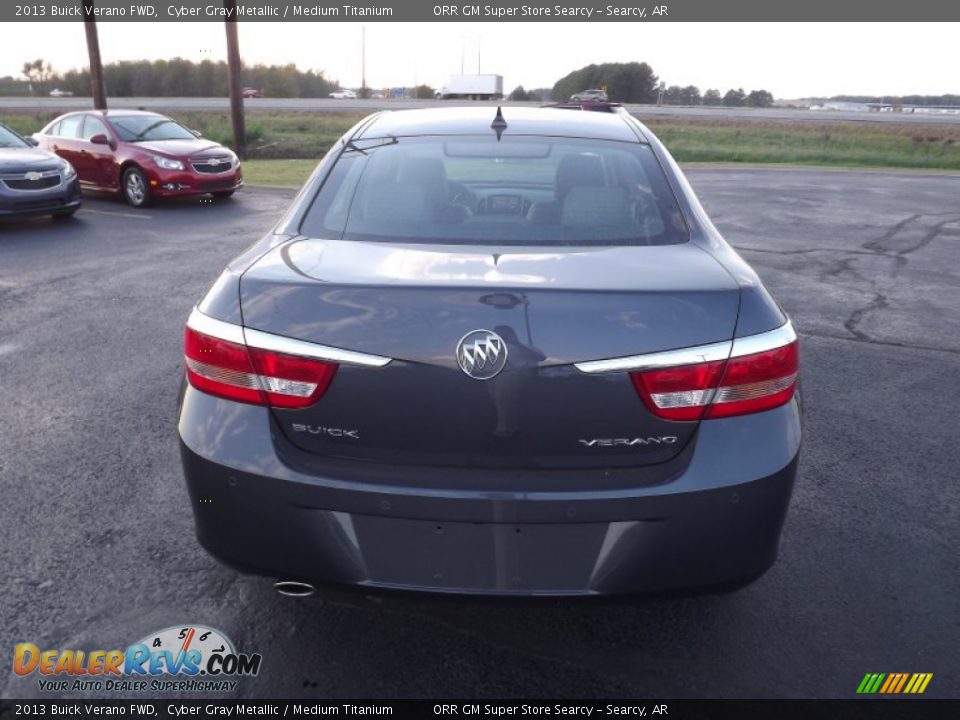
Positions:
{"x": 481, "y": 354}
{"x": 33, "y": 176}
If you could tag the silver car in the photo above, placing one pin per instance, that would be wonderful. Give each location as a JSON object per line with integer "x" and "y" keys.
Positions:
{"x": 594, "y": 94}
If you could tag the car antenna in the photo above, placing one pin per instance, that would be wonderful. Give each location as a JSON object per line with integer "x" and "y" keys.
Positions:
{"x": 499, "y": 124}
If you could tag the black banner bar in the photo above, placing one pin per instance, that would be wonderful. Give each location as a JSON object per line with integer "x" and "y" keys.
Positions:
{"x": 865, "y": 709}
{"x": 491, "y": 11}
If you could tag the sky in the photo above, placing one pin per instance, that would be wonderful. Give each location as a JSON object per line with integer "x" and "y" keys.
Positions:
{"x": 791, "y": 60}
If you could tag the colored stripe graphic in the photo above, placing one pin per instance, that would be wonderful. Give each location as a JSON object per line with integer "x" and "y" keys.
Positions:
{"x": 891, "y": 679}
{"x": 870, "y": 683}
{"x": 903, "y": 680}
{"x": 918, "y": 683}
{"x": 894, "y": 683}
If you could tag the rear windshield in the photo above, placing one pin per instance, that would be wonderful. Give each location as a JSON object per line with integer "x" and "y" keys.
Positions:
{"x": 515, "y": 191}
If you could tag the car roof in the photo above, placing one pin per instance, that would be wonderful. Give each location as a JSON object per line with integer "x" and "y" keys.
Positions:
{"x": 520, "y": 121}
{"x": 111, "y": 113}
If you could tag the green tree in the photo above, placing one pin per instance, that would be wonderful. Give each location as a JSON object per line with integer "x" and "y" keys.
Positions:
{"x": 38, "y": 71}
{"x": 735, "y": 98}
{"x": 690, "y": 95}
{"x": 181, "y": 77}
{"x": 77, "y": 82}
{"x": 632, "y": 82}
{"x": 424, "y": 92}
{"x": 676, "y": 95}
{"x": 759, "y": 98}
{"x": 672, "y": 95}
{"x": 712, "y": 97}
{"x": 520, "y": 94}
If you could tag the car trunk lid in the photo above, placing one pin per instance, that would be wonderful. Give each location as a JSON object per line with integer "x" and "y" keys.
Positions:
{"x": 414, "y": 304}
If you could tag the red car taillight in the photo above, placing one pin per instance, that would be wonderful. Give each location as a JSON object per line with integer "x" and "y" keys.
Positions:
{"x": 262, "y": 377}
{"x": 747, "y": 382}
{"x": 757, "y": 382}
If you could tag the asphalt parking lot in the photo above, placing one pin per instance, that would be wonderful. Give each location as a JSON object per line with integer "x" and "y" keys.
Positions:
{"x": 98, "y": 547}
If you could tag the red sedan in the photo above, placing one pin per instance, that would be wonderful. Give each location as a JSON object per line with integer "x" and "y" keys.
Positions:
{"x": 142, "y": 155}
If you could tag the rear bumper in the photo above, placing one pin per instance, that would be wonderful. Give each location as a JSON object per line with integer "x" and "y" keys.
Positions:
{"x": 719, "y": 521}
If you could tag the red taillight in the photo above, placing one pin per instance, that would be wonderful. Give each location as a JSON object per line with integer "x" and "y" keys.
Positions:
{"x": 220, "y": 368}
{"x": 678, "y": 393}
{"x": 251, "y": 375}
{"x": 743, "y": 384}
{"x": 290, "y": 381}
{"x": 757, "y": 382}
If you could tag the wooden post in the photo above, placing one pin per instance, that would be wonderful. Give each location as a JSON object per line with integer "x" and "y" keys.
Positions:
{"x": 97, "y": 87}
{"x": 236, "y": 93}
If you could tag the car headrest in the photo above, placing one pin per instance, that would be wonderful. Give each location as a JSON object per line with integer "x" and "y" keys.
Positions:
{"x": 576, "y": 170}
{"x": 428, "y": 173}
{"x": 591, "y": 205}
{"x": 388, "y": 204}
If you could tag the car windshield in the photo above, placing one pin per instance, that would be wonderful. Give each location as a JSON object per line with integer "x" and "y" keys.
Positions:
{"x": 138, "y": 128}
{"x": 9, "y": 139}
{"x": 477, "y": 190}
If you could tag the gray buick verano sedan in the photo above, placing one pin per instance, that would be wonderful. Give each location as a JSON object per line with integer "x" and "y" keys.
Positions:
{"x": 492, "y": 352}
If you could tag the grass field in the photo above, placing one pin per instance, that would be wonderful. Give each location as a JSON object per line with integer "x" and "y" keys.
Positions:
{"x": 285, "y": 173}
{"x": 283, "y": 147}
{"x": 806, "y": 143}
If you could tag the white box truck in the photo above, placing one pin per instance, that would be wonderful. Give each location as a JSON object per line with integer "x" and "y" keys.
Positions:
{"x": 472, "y": 87}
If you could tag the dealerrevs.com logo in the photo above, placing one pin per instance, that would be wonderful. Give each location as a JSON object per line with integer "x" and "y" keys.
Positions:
{"x": 181, "y": 658}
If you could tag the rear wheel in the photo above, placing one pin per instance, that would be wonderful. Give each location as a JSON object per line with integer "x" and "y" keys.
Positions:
{"x": 136, "y": 191}
{"x": 223, "y": 195}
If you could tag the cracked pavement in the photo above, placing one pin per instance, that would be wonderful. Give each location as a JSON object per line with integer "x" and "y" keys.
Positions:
{"x": 99, "y": 547}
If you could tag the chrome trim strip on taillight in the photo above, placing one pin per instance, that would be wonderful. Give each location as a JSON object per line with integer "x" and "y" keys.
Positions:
{"x": 289, "y": 346}
{"x": 770, "y": 340}
{"x": 278, "y": 343}
{"x": 212, "y": 327}
{"x": 669, "y": 358}
{"x": 748, "y": 345}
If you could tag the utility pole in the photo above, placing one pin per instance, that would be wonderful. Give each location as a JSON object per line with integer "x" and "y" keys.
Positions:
{"x": 233, "y": 75}
{"x": 97, "y": 87}
{"x": 363, "y": 61}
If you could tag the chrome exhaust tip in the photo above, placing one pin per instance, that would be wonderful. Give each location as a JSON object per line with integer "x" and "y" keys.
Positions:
{"x": 293, "y": 588}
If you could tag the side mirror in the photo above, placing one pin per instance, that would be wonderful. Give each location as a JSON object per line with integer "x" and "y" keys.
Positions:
{"x": 33, "y": 141}
{"x": 197, "y": 133}
{"x": 100, "y": 139}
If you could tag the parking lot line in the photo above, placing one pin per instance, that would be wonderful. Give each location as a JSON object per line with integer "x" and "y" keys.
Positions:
{"x": 137, "y": 216}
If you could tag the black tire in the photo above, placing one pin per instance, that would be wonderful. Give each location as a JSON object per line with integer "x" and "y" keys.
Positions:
{"x": 135, "y": 189}
{"x": 64, "y": 215}
{"x": 223, "y": 195}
